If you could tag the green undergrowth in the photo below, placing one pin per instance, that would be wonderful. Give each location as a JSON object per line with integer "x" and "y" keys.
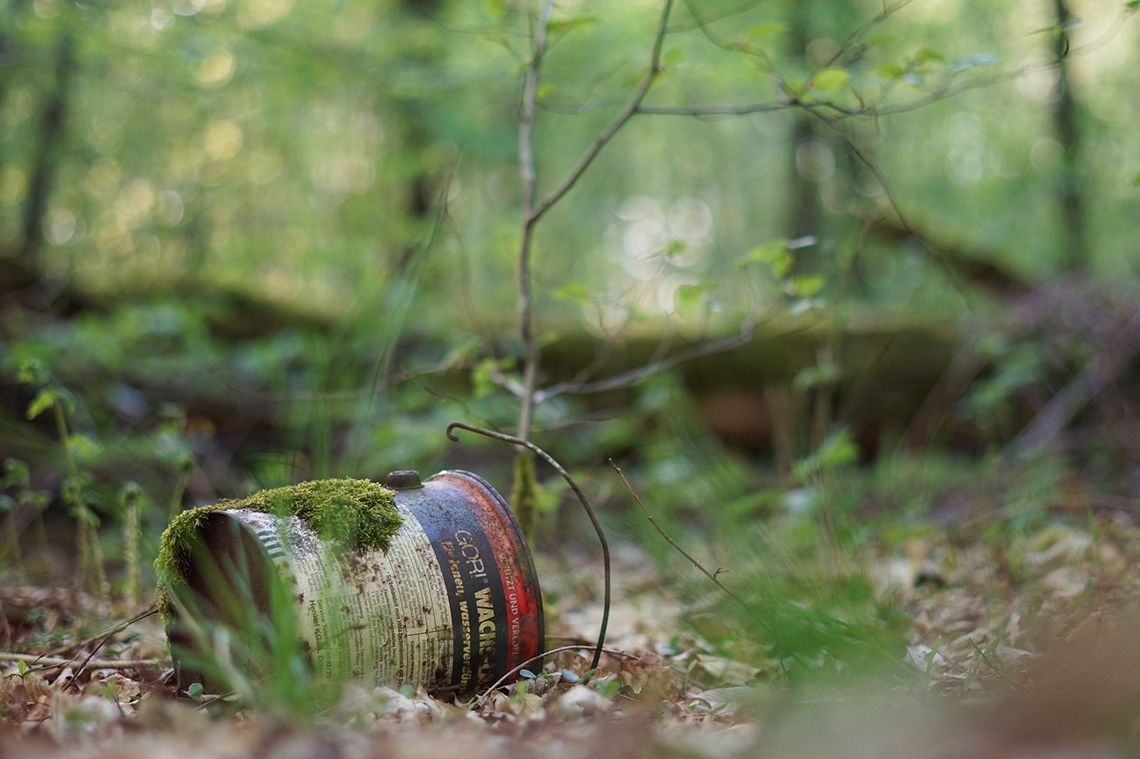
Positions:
{"x": 352, "y": 513}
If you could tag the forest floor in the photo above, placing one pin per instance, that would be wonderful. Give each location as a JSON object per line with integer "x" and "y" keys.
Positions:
{"x": 1046, "y": 664}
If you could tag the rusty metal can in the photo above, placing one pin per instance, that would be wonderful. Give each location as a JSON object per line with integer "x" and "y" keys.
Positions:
{"x": 452, "y": 604}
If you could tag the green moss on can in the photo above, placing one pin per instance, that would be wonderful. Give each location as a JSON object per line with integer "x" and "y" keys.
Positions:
{"x": 353, "y": 514}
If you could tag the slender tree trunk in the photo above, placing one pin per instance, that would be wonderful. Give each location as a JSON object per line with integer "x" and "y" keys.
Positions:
{"x": 52, "y": 130}
{"x": 416, "y": 138}
{"x": 9, "y": 46}
{"x": 803, "y": 191}
{"x": 803, "y": 206}
{"x": 1070, "y": 202}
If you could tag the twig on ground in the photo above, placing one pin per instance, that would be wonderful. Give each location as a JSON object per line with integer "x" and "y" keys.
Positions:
{"x": 978, "y": 650}
{"x": 713, "y": 576}
{"x": 49, "y": 662}
{"x": 110, "y": 633}
{"x": 581, "y": 499}
{"x": 523, "y": 665}
{"x": 208, "y": 702}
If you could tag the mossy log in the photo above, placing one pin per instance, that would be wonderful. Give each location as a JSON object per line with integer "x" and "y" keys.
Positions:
{"x": 883, "y": 376}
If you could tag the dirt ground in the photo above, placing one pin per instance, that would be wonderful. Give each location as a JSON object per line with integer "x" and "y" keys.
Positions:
{"x": 1045, "y": 666}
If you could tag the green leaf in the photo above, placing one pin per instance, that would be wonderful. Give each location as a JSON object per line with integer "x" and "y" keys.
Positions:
{"x": 195, "y": 691}
{"x": 496, "y": 9}
{"x": 796, "y": 86}
{"x": 608, "y": 686}
{"x": 926, "y": 55}
{"x": 764, "y": 31}
{"x": 16, "y": 473}
{"x": 482, "y": 382}
{"x": 830, "y": 81}
{"x": 689, "y": 297}
{"x": 774, "y": 254}
{"x": 805, "y": 287}
{"x": 673, "y": 56}
{"x": 85, "y": 449}
{"x": 812, "y": 377}
{"x": 43, "y": 400}
{"x": 22, "y": 668}
{"x": 1136, "y": 179}
{"x": 575, "y": 292}
{"x": 836, "y": 451}
{"x": 890, "y": 71}
{"x": 32, "y": 372}
{"x": 563, "y": 26}
{"x": 546, "y": 91}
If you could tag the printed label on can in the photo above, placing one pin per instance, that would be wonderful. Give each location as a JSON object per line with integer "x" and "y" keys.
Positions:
{"x": 375, "y": 615}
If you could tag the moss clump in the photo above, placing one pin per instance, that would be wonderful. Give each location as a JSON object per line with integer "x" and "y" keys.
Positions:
{"x": 355, "y": 514}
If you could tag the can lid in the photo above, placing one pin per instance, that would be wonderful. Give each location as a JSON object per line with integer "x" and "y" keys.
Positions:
{"x": 403, "y": 479}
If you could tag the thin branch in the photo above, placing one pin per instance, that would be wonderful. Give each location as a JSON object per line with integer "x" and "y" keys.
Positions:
{"x": 1114, "y": 27}
{"x": 581, "y": 499}
{"x": 694, "y": 25}
{"x": 712, "y": 111}
{"x": 634, "y": 377}
{"x": 588, "y": 102}
{"x": 606, "y": 135}
{"x": 508, "y": 383}
{"x": 952, "y": 277}
{"x": 867, "y": 111}
{"x": 640, "y": 374}
{"x": 645, "y": 512}
{"x": 879, "y": 18}
{"x": 112, "y": 632}
{"x": 523, "y": 665}
{"x": 871, "y": 111}
{"x": 48, "y": 662}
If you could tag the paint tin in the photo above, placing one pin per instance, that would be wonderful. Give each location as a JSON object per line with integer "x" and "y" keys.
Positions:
{"x": 452, "y": 604}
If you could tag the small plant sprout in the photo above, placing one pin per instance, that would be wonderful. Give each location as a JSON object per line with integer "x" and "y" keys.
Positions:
{"x": 51, "y": 396}
{"x": 129, "y": 498}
